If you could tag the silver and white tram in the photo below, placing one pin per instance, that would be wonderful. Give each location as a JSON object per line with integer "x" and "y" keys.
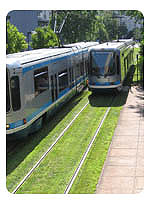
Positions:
{"x": 109, "y": 63}
{"x": 38, "y": 82}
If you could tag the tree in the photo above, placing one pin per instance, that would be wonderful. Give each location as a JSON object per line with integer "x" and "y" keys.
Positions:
{"x": 43, "y": 37}
{"x": 139, "y": 18}
{"x": 101, "y": 33}
{"x": 78, "y": 26}
{"x": 136, "y": 15}
{"x": 122, "y": 31}
{"x": 15, "y": 39}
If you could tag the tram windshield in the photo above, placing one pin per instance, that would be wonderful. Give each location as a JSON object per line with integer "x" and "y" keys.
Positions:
{"x": 103, "y": 63}
{"x": 7, "y": 93}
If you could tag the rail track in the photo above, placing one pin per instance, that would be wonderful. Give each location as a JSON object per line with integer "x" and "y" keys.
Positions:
{"x": 54, "y": 144}
{"x": 85, "y": 154}
{"x": 49, "y": 149}
{"x": 68, "y": 188}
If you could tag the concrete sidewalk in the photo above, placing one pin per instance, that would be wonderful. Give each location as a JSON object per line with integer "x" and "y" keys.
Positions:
{"x": 123, "y": 171}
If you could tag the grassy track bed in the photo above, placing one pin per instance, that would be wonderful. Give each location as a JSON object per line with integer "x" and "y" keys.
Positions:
{"x": 28, "y": 152}
{"x": 54, "y": 173}
{"x": 89, "y": 174}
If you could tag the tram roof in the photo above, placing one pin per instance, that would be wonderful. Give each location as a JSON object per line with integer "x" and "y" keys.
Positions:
{"x": 34, "y": 55}
{"x": 82, "y": 44}
{"x": 115, "y": 44}
{"x": 26, "y": 57}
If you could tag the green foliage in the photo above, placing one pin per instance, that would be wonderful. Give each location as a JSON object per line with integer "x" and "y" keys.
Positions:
{"x": 142, "y": 48}
{"x": 99, "y": 30}
{"x": 102, "y": 32}
{"x": 137, "y": 15}
{"x": 15, "y": 40}
{"x": 78, "y": 26}
{"x": 44, "y": 38}
{"x": 87, "y": 25}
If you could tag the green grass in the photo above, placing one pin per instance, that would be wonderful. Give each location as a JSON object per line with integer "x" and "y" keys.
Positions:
{"x": 28, "y": 152}
{"x": 89, "y": 174}
{"x": 55, "y": 171}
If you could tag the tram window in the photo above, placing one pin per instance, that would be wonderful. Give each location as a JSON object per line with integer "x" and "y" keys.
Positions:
{"x": 52, "y": 88}
{"x": 71, "y": 77}
{"x": 41, "y": 82}
{"x": 63, "y": 80}
{"x": 125, "y": 66}
{"x": 129, "y": 57}
{"x": 78, "y": 70}
{"x": 15, "y": 93}
{"x": 56, "y": 92}
{"x": 82, "y": 68}
{"x": 127, "y": 62}
{"x": 118, "y": 65}
{"x": 7, "y": 93}
{"x": 87, "y": 67}
{"x": 102, "y": 64}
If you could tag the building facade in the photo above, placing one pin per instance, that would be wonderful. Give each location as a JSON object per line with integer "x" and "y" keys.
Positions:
{"x": 27, "y": 20}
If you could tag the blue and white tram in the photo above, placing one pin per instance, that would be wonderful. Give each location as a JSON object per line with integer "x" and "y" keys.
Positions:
{"x": 38, "y": 82}
{"x": 109, "y": 63}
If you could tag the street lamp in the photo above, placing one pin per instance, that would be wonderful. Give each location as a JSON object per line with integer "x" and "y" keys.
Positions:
{"x": 28, "y": 37}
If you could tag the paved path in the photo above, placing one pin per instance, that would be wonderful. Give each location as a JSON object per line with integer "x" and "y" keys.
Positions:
{"x": 123, "y": 171}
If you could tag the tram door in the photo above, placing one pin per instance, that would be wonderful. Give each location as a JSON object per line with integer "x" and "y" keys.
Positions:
{"x": 54, "y": 87}
{"x": 74, "y": 64}
{"x": 56, "y": 91}
{"x": 118, "y": 64}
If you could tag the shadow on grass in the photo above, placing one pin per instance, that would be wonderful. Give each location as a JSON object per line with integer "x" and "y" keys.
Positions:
{"x": 26, "y": 146}
{"x": 98, "y": 100}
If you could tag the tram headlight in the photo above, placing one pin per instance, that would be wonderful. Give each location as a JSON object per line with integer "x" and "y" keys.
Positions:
{"x": 24, "y": 121}
{"x": 7, "y": 126}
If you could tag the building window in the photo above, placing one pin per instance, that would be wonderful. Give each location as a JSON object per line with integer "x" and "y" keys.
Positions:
{"x": 41, "y": 81}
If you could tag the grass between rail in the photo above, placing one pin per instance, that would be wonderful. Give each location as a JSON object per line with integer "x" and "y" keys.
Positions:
{"x": 28, "y": 152}
{"x": 88, "y": 176}
{"x": 55, "y": 171}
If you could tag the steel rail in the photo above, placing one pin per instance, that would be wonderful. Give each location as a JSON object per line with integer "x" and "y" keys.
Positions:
{"x": 86, "y": 153}
{"x": 49, "y": 149}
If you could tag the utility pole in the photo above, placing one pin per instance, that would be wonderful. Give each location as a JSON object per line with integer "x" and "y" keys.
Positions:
{"x": 58, "y": 32}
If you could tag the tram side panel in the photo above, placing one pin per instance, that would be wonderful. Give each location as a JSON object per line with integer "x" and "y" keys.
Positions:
{"x": 36, "y": 97}
{"x": 17, "y": 118}
{"x": 45, "y": 86}
{"x": 43, "y": 90}
{"x": 122, "y": 59}
{"x": 126, "y": 57}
